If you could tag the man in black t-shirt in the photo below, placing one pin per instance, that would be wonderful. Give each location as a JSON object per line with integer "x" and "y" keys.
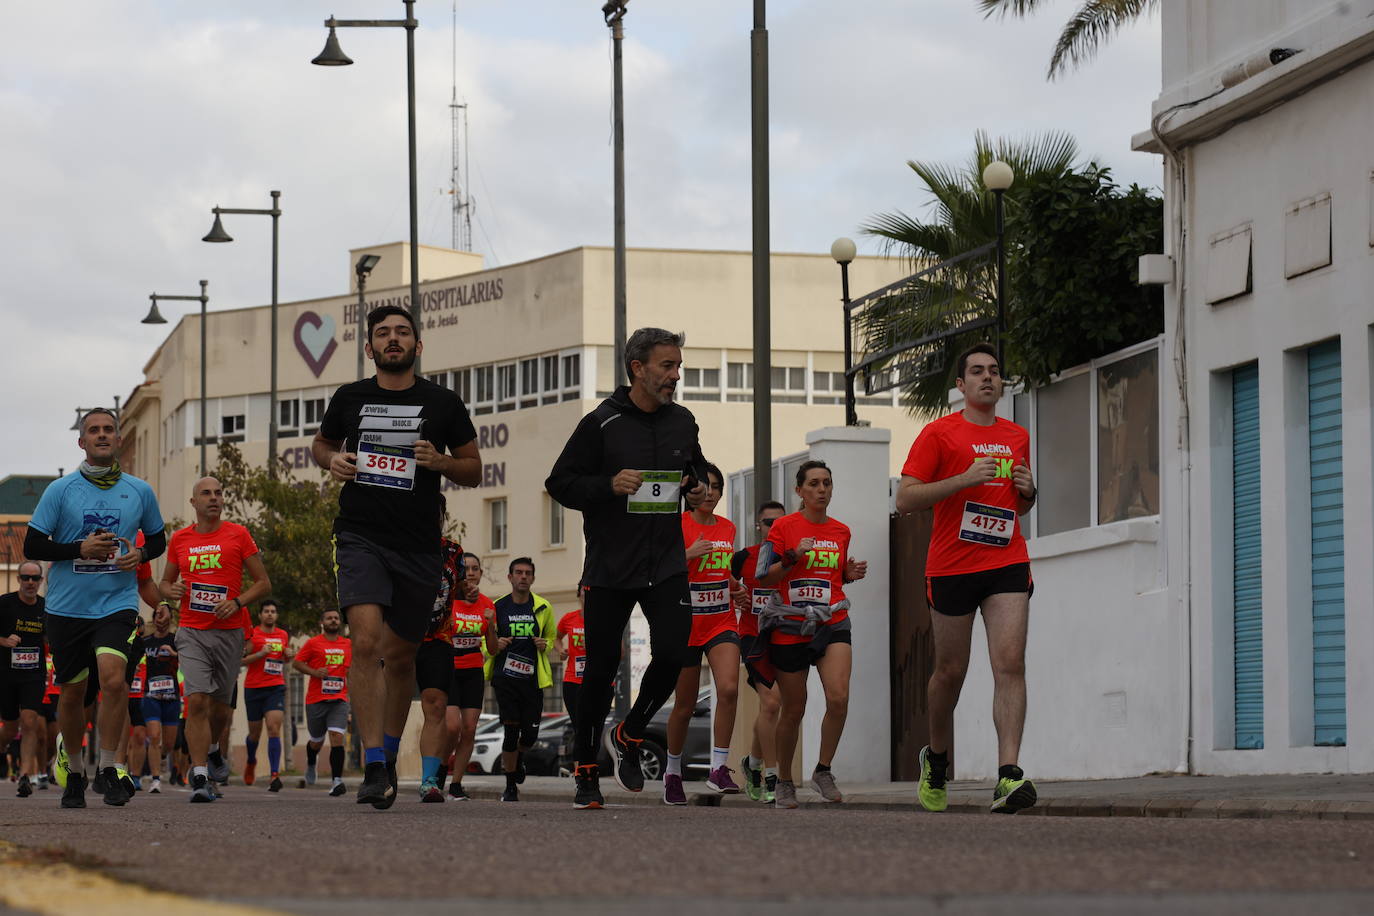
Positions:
{"x": 23, "y": 671}
{"x": 384, "y": 438}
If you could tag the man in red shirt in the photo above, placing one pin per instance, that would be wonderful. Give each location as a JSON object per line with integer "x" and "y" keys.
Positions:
{"x": 325, "y": 659}
{"x": 205, "y": 566}
{"x": 973, "y": 468}
{"x": 264, "y": 690}
{"x": 572, "y": 645}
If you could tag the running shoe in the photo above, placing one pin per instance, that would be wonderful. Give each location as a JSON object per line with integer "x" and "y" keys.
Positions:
{"x": 23, "y": 790}
{"x": 588, "y": 788}
{"x": 275, "y": 784}
{"x": 1013, "y": 794}
{"x": 219, "y": 769}
{"x": 786, "y": 794}
{"x": 337, "y": 789}
{"x": 310, "y": 774}
{"x": 520, "y": 770}
{"x": 74, "y": 791}
{"x": 456, "y": 790}
{"x": 61, "y": 765}
{"x": 512, "y": 794}
{"x": 770, "y": 789}
{"x": 250, "y": 772}
{"x": 391, "y": 777}
{"x": 200, "y": 790}
{"x": 377, "y": 789}
{"x": 430, "y": 791}
{"x": 138, "y": 783}
{"x": 629, "y": 775}
{"x": 98, "y": 784}
{"x": 126, "y": 781}
{"x": 114, "y": 793}
{"x": 823, "y": 781}
{"x": 930, "y": 791}
{"x": 719, "y": 781}
{"x": 753, "y": 780}
{"x": 43, "y": 781}
{"x": 156, "y": 787}
{"x": 673, "y": 793}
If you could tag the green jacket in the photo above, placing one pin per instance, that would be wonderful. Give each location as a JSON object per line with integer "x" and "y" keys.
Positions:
{"x": 548, "y": 630}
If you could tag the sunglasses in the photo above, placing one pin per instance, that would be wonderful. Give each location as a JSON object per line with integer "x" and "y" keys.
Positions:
{"x": 23, "y": 577}
{"x": 767, "y": 522}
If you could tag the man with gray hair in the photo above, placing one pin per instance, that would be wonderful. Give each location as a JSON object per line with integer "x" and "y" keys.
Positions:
{"x": 626, "y": 468}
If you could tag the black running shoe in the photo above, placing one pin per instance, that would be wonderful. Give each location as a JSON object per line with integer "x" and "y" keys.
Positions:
{"x": 588, "y": 789}
{"x": 201, "y": 790}
{"x": 520, "y": 769}
{"x": 74, "y": 796}
{"x": 377, "y": 789}
{"x": 98, "y": 784}
{"x": 456, "y": 790}
{"x": 127, "y": 782}
{"x": 274, "y": 785}
{"x": 629, "y": 775}
{"x": 512, "y": 794}
{"x": 336, "y": 790}
{"x": 24, "y": 790}
{"x": 115, "y": 793}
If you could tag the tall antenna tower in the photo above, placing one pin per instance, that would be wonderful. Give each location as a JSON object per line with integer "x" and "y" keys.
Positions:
{"x": 458, "y": 182}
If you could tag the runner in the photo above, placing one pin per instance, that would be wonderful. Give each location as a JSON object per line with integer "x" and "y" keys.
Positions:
{"x": 634, "y": 551}
{"x": 264, "y": 691}
{"x": 326, "y": 660}
{"x": 134, "y": 676}
{"x": 470, "y": 623}
{"x": 807, "y": 560}
{"x": 384, "y": 439}
{"x": 206, "y": 562}
{"x": 519, "y": 633}
{"x": 23, "y": 660}
{"x": 136, "y": 744}
{"x": 49, "y": 712}
{"x": 709, "y": 540}
{"x": 973, "y": 468}
{"x": 760, "y": 765}
{"x": 572, "y": 645}
{"x": 84, "y": 526}
{"x": 434, "y": 674}
{"x": 161, "y": 693}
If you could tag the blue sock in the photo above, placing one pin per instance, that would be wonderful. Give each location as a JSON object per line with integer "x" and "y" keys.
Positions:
{"x": 429, "y": 768}
{"x": 391, "y": 744}
{"x": 274, "y": 754}
{"x": 373, "y": 755}
{"x": 252, "y": 750}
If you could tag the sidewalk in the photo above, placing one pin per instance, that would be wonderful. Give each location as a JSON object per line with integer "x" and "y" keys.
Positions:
{"x": 1326, "y": 797}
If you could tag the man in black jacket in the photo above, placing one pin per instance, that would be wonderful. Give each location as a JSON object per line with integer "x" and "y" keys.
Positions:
{"x": 625, "y": 468}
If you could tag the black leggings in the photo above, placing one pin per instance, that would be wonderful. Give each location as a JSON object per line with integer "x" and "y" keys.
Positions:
{"x": 570, "y": 690}
{"x": 605, "y": 615}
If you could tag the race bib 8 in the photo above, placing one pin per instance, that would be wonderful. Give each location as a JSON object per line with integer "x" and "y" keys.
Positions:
{"x": 272, "y": 666}
{"x": 386, "y": 466}
{"x": 657, "y": 494}
{"x": 24, "y": 659}
{"x": 710, "y": 597}
{"x": 988, "y": 525}
{"x": 331, "y": 685}
{"x": 803, "y": 592}
{"x": 204, "y": 598}
{"x": 162, "y": 687}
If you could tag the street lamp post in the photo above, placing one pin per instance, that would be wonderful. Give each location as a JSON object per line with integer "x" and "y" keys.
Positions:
{"x": 333, "y": 56}
{"x": 363, "y": 269}
{"x": 217, "y": 234}
{"x": 614, "y": 13}
{"x": 997, "y": 177}
{"x": 844, "y": 252}
{"x": 155, "y": 317}
{"x": 763, "y": 320}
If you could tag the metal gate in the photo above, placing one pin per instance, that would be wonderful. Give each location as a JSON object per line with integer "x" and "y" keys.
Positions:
{"x": 911, "y": 646}
{"x": 1246, "y": 568}
{"x": 1328, "y": 542}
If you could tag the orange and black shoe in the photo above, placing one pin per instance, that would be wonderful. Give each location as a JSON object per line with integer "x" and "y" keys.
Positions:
{"x": 629, "y": 774}
{"x": 588, "y": 788}
{"x": 250, "y": 772}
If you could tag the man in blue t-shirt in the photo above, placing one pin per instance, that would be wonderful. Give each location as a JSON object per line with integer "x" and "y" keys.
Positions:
{"x": 85, "y": 526}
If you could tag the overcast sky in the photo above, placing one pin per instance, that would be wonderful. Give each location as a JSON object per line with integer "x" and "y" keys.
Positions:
{"x": 124, "y": 121}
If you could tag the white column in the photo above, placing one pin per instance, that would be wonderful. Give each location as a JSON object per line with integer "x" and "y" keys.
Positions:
{"x": 858, "y": 461}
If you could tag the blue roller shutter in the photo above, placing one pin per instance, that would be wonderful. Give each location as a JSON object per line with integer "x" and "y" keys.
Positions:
{"x": 1328, "y": 542}
{"x": 1246, "y": 582}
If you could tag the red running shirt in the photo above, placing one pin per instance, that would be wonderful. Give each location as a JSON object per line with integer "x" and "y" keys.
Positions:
{"x": 708, "y": 578}
{"x": 818, "y": 576}
{"x": 211, "y": 565}
{"x": 270, "y": 670}
{"x": 978, "y": 527}
{"x": 571, "y": 626}
{"x": 469, "y": 628}
{"x": 746, "y": 563}
{"x": 334, "y": 656}
{"x": 140, "y": 675}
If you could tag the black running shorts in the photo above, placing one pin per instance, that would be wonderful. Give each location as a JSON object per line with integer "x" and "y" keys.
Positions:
{"x": 467, "y": 688}
{"x": 800, "y": 656}
{"x": 434, "y": 665}
{"x": 18, "y": 695}
{"x": 694, "y": 654}
{"x": 961, "y": 595}
{"x": 76, "y": 641}
{"x": 404, "y": 584}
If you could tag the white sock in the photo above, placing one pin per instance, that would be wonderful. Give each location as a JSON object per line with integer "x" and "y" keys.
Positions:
{"x": 214, "y": 748}
{"x": 719, "y": 756}
{"x": 200, "y": 771}
{"x": 770, "y": 771}
{"x": 752, "y": 762}
{"x": 107, "y": 758}
{"x": 335, "y": 780}
{"x": 674, "y": 764}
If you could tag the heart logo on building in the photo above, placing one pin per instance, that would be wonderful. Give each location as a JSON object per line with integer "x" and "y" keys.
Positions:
{"x": 315, "y": 341}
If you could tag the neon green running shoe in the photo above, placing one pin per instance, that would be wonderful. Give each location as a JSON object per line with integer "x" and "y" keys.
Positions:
{"x": 753, "y": 780}
{"x": 61, "y": 765}
{"x": 1013, "y": 794}
{"x": 931, "y": 790}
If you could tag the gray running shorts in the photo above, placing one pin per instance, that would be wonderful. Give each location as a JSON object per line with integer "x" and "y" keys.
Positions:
{"x": 326, "y": 715}
{"x": 209, "y": 661}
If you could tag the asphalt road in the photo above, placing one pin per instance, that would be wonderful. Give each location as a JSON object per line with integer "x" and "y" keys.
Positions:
{"x": 303, "y": 852}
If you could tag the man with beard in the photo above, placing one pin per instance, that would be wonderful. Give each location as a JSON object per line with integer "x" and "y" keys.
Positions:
{"x": 384, "y": 438}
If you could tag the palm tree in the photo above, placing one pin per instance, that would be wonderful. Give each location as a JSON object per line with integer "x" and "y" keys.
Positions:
{"x": 942, "y": 300}
{"x": 1085, "y": 31}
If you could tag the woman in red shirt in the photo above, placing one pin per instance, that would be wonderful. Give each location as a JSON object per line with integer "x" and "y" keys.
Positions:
{"x": 806, "y": 558}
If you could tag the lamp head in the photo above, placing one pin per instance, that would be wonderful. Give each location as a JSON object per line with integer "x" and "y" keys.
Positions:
{"x": 843, "y": 250}
{"x": 332, "y": 55}
{"x": 154, "y": 316}
{"x": 997, "y": 176}
{"x": 366, "y": 263}
{"x": 217, "y": 233}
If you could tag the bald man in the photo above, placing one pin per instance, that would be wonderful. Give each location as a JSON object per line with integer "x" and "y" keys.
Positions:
{"x": 204, "y": 575}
